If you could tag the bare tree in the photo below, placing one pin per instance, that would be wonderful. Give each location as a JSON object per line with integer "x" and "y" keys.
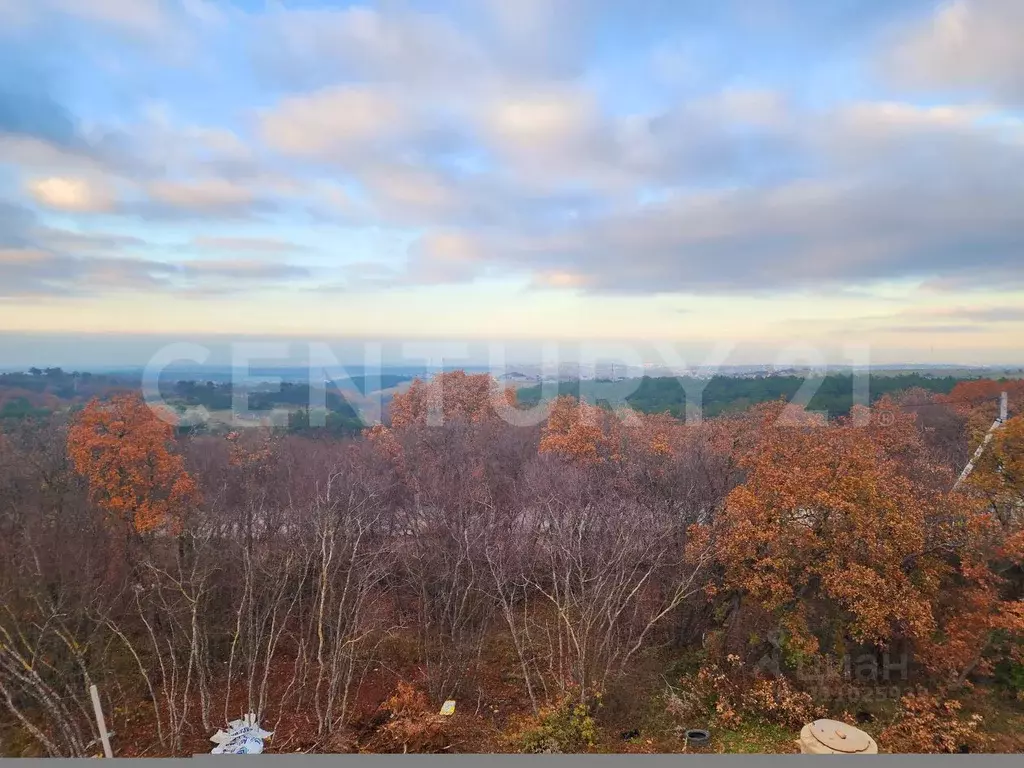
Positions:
{"x": 608, "y": 569}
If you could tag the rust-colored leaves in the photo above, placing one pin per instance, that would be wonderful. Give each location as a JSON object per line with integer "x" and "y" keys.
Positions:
{"x": 123, "y": 448}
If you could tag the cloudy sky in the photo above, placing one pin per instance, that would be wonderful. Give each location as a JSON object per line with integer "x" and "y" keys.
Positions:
{"x": 767, "y": 172}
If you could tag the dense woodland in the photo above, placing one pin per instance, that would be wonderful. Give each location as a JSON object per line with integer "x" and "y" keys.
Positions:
{"x": 601, "y": 580}
{"x": 832, "y": 393}
{"x": 40, "y": 392}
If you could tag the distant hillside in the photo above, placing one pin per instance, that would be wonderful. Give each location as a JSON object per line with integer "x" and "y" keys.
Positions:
{"x": 720, "y": 394}
{"x": 39, "y": 392}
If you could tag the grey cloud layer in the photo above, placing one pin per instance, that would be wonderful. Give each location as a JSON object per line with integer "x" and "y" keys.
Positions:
{"x": 33, "y": 273}
{"x": 481, "y": 125}
{"x": 738, "y": 191}
{"x": 970, "y": 45}
{"x": 38, "y": 261}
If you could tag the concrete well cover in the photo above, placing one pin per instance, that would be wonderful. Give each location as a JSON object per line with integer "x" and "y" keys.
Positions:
{"x": 840, "y": 736}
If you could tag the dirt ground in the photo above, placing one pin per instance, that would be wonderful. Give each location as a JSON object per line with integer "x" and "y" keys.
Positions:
{"x": 634, "y": 721}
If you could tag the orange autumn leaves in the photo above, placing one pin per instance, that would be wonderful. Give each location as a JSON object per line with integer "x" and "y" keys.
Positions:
{"x": 576, "y": 431}
{"x": 579, "y": 431}
{"x": 999, "y": 474}
{"x": 979, "y": 402}
{"x": 842, "y": 533}
{"x": 826, "y": 513}
{"x": 998, "y": 477}
{"x": 589, "y": 434}
{"x": 123, "y": 449}
{"x": 450, "y": 396}
{"x": 982, "y": 395}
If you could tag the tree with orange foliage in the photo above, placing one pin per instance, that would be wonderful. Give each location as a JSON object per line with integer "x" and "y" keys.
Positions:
{"x": 590, "y": 434}
{"x": 845, "y": 533}
{"x": 978, "y": 401}
{"x": 124, "y": 450}
{"x": 998, "y": 479}
{"x": 999, "y": 474}
{"x": 450, "y": 396}
{"x": 985, "y": 393}
{"x": 579, "y": 431}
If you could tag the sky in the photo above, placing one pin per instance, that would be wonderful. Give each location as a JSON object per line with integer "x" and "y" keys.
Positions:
{"x": 768, "y": 175}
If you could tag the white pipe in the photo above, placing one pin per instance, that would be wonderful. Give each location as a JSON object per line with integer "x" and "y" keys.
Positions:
{"x": 1000, "y": 420}
{"x": 104, "y": 736}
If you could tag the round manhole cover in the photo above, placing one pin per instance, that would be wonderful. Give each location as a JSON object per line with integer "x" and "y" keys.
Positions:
{"x": 840, "y": 736}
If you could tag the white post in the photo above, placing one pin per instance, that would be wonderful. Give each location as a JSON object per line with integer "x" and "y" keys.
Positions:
{"x": 104, "y": 736}
{"x": 997, "y": 424}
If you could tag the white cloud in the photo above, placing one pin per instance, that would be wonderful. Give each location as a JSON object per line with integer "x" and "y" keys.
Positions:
{"x": 379, "y": 44}
{"x": 455, "y": 44}
{"x": 73, "y": 195}
{"x": 206, "y": 12}
{"x": 545, "y": 122}
{"x": 840, "y": 231}
{"x": 561, "y": 279}
{"x": 218, "y": 143}
{"x": 411, "y": 191}
{"x": 202, "y": 194}
{"x": 89, "y": 243}
{"x": 164, "y": 26}
{"x": 444, "y": 257}
{"x": 966, "y": 45}
{"x": 241, "y": 269}
{"x": 506, "y": 165}
{"x": 336, "y": 122}
{"x": 270, "y": 245}
{"x": 23, "y": 256}
{"x": 890, "y": 116}
{"x": 450, "y": 248}
{"x": 543, "y": 39}
{"x": 528, "y": 20}
{"x": 40, "y": 154}
{"x": 144, "y": 17}
{"x": 34, "y": 273}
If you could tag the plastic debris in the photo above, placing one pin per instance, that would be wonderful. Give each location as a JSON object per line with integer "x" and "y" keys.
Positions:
{"x": 243, "y": 737}
{"x": 448, "y": 708}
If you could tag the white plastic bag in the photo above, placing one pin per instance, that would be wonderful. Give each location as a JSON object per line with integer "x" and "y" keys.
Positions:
{"x": 243, "y": 737}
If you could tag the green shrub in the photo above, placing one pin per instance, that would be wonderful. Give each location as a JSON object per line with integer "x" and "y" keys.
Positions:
{"x": 564, "y": 728}
{"x": 1009, "y": 675}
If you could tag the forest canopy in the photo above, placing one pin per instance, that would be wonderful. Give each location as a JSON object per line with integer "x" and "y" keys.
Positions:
{"x": 600, "y": 572}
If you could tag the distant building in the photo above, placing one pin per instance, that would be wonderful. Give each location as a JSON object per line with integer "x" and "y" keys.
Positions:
{"x": 516, "y": 376}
